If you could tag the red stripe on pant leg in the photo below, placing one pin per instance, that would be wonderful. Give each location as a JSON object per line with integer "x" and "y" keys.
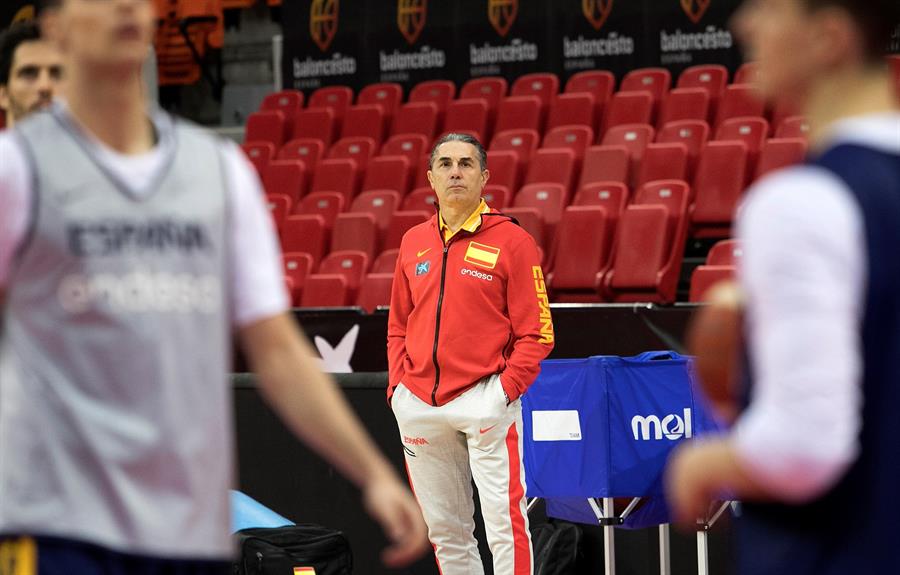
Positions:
{"x": 516, "y": 493}
{"x": 413, "y": 489}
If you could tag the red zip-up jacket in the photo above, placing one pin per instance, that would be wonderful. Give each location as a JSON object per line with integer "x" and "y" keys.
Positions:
{"x": 468, "y": 309}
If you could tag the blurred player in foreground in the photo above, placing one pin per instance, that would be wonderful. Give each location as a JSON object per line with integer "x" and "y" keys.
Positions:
{"x": 815, "y": 456}
{"x": 132, "y": 246}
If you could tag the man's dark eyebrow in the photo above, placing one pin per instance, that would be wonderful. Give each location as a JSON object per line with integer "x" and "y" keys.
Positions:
{"x": 28, "y": 69}
{"x": 462, "y": 159}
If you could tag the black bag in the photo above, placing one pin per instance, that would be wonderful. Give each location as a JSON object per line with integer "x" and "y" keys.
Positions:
{"x": 557, "y": 548}
{"x": 279, "y": 550}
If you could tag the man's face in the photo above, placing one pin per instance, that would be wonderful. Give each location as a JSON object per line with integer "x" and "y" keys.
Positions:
{"x": 779, "y": 36}
{"x": 105, "y": 33}
{"x": 33, "y": 77}
{"x": 456, "y": 175}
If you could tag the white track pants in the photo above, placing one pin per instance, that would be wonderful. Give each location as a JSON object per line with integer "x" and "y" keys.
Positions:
{"x": 475, "y": 435}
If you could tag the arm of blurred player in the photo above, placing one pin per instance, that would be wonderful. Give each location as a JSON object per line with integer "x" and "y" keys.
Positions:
{"x": 803, "y": 274}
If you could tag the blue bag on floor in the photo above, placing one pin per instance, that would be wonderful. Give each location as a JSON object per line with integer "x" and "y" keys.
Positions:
{"x": 604, "y": 427}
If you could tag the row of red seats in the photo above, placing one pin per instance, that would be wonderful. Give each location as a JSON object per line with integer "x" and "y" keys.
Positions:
{"x": 355, "y": 160}
{"x": 604, "y": 252}
{"x": 483, "y": 107}
{"x": 718, "y": 170}
{"x": 341, "y": 279}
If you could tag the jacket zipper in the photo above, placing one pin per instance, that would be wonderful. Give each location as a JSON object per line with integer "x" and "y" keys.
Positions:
{"x": 437, "y": 325}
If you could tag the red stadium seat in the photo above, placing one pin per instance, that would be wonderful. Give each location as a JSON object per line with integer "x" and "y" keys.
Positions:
{"x": 375, "y": 291}
{"x": 469, "y": 115}
{"x": 420, "y": 199}
{"x": 286, "y": 177}
{"x": 325, "y": 290}
{"x": 635, "y": 137}
{"x": 416, "y": 118}
{"x": 411, "y": 146}
{"x": 315, "y": 124}
{"x": 572, "y": 109}
{"x": 335, "y": 98}
{"x": 581, "y": 252}
{"x": 385, "y": 262}
{"x": 388, "y": 173}
{"x": 386, "y": 95}
{"x": 627, "y": 108}
{"x": 504, "y": 168}
{"x": 663, "y": 162}
{"x": 692, "y": 133}
{"x": 337, "y": 175}
{"x": 491, "y": 89}
{"x": 748, "y": 73}
{"x": 365, "y": 120}
{"x": 611, "y": 196}
{"x": 440, "y": 92}
{"x": 740, "y": 101}
{"x": 606, "y": 164}
{"x": 380, "y": 203}
{"x": 400, "y": 224}
{"x": 650, "y": 243}
{"x": 793, "y": 127}
{"x": 709, "y": 77}
{"x": 289, "y": 102}
{"x": 359, "y": 149}
{"x": 304, "y": 233}
{"x": 725, "y": 253}
{"x": 259, "y": 154}
{"x": 780, "y": 153}
{"x": 308, "y": 151}
{"x": 497, "y": 197}
{"x": 325, "y": 204}
{"x": 523, "y": 142}
{"x": 549, "y": 199}
{"x": 705, "y": 277}
{"x": 352, "y": 265}
{"x": 297, "y": 266}
{"x": 752, "y": 131}
{"x": 530, "y": 220}
{"x": 355, "y": 231}
{"x": 575, "y": 138}
{"x": 684, "y": 104}
{"x": 420, "y": 172}
{"x": 519, "y": 113}
{"x": 599, "y": 83}
{"x": 719, "y": 181}
{"x": 279, "y": 207}
{"x": 544, "y": 85}
{"x": 552, "y": 165}
{"x": 266, "y": 127}
{"x": 657, "y": 81}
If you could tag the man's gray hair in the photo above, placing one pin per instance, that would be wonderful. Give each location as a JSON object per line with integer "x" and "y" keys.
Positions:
{"x": 465, "y": 138}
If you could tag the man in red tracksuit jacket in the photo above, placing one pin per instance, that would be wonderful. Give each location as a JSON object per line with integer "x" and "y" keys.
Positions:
{"x": 469, "y": 324}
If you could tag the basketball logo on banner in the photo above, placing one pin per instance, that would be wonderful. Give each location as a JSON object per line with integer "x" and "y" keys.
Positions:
{"x": 596, "y": 11}
{"x": 695, "y": 9}
{"x": 323, "y": 22}
{"x": 502, "y": 14}
{"x": 411, "y": 17}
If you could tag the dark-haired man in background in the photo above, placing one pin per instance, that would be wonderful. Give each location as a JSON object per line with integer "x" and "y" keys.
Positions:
{"x": 30, "y": 71}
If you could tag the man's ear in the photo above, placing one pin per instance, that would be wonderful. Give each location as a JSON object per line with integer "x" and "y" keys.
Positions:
{"x": 485, "y": 176}
{"x": 430, "y": 179}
